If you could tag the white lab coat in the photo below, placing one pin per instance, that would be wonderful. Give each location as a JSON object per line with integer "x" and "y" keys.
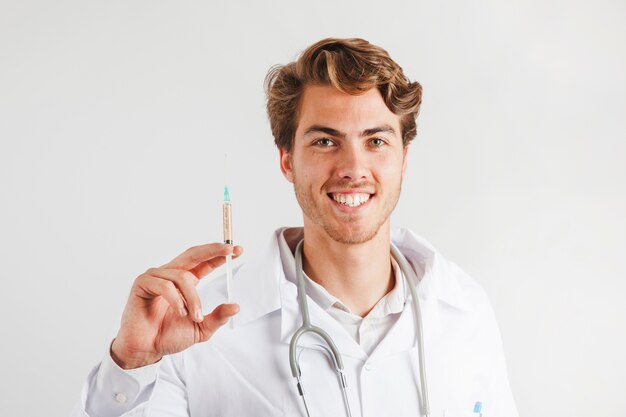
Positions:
{"x": 244, "y": 370}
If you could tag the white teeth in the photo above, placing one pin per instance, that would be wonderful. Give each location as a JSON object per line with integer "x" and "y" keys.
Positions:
{"x": 351, "y": 200}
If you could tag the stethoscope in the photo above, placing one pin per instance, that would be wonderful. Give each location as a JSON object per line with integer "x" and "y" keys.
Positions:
{"x": 334, "y": 353}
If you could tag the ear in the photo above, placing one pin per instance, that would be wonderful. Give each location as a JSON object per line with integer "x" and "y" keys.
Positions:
{"x": 286, "y": 164}
{"x": 404, "y": 158}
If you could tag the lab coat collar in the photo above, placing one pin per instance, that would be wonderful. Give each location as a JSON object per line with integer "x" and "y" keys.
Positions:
{"x": 260, "y": 286}
{"x": 438, "y": 277}
{"x": 291, "y": 320}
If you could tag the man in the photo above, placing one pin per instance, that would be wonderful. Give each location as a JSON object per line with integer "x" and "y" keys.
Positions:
{"x": 343, "y": 116}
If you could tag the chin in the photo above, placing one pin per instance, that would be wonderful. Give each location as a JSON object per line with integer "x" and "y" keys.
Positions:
{"x": 351, "y": 236}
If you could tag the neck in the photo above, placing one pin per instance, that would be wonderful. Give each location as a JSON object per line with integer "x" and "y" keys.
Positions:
{"x": 357, "y": 274}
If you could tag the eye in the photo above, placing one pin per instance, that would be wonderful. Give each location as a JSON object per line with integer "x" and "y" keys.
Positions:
{"x": 325, "y": 142}
{"x": 377, "y": 142}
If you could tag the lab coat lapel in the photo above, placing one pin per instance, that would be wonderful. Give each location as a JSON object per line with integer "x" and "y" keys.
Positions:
{"x": 255, "y": 285}
{"x": 434, "y": 282}
{"x": 291, "y": 320}
{"x": 440, "y": 277}
{"x": 402, "y": 335}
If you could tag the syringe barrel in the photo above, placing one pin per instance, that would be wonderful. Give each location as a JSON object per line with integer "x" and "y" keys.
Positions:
{"x": 228, "y": 224}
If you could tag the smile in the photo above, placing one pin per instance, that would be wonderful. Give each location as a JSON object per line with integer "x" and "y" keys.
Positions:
{"x": 350, "y": 199}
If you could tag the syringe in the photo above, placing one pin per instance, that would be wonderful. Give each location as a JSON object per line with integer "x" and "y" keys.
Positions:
{"x": 228, "y": 238}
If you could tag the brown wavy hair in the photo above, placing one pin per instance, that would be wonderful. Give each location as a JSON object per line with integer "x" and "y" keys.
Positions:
{"x": 353, "y": 66}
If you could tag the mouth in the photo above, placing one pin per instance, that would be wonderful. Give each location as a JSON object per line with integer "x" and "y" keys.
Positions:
{"x": 350, "y": 199}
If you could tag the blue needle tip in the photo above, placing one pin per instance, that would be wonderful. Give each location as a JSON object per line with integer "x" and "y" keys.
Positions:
{"x": 226, "y": 195}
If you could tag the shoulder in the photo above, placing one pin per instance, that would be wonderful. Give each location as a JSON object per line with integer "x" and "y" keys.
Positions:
{"x": 440, "y": 276}
{"x": 456, "y": 279}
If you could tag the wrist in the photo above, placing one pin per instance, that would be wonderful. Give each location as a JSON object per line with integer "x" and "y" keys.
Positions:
{"x": 126, "y": 359}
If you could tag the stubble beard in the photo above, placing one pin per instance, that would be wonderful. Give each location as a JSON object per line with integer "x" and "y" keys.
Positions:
{"x": 314, "y": 212}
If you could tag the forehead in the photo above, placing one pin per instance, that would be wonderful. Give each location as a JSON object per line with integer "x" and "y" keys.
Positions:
{"x": 327, "y": 106}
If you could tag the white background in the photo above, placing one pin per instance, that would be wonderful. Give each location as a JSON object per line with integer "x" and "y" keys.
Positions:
{"x": 115, "y": 117}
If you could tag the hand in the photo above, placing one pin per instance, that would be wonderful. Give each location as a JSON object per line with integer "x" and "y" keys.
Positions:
{"x": 163, "y": 314}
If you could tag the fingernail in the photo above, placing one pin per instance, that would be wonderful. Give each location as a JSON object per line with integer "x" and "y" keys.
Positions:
{"x": 183, "y": 312}
{"x": 199, "y": 315}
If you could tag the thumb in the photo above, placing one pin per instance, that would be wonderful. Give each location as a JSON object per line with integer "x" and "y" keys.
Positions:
{"x": 216, "y": 319}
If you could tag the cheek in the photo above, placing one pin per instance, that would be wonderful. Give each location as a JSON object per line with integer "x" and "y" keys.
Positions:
{"x": 389, "y": 168}
{"x": 312, "y": 169}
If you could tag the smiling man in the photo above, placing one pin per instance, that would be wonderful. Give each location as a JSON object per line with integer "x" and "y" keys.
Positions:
{"x": 407, "y": 331}
{"x": 346, "y": 163}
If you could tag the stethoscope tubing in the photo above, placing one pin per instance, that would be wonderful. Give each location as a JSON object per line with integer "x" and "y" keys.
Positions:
{"x": 417, "y": 317}
{"x": 307, "y": 327}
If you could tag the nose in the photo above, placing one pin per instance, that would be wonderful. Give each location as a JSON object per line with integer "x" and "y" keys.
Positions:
{"x": 352, "y": 163}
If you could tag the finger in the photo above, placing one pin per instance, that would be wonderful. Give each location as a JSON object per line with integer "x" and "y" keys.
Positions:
{"x": 237, "y": 251}
{"x": 217, "y": 318}
{"x": 186, "y": 283}
{"x": 164, "y": 288}
{"x": 197, "y": 254}
{"x": 205, "y": 267}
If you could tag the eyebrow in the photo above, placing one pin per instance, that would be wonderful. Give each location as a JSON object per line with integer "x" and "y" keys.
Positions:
{"x": 334, "y": 132}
